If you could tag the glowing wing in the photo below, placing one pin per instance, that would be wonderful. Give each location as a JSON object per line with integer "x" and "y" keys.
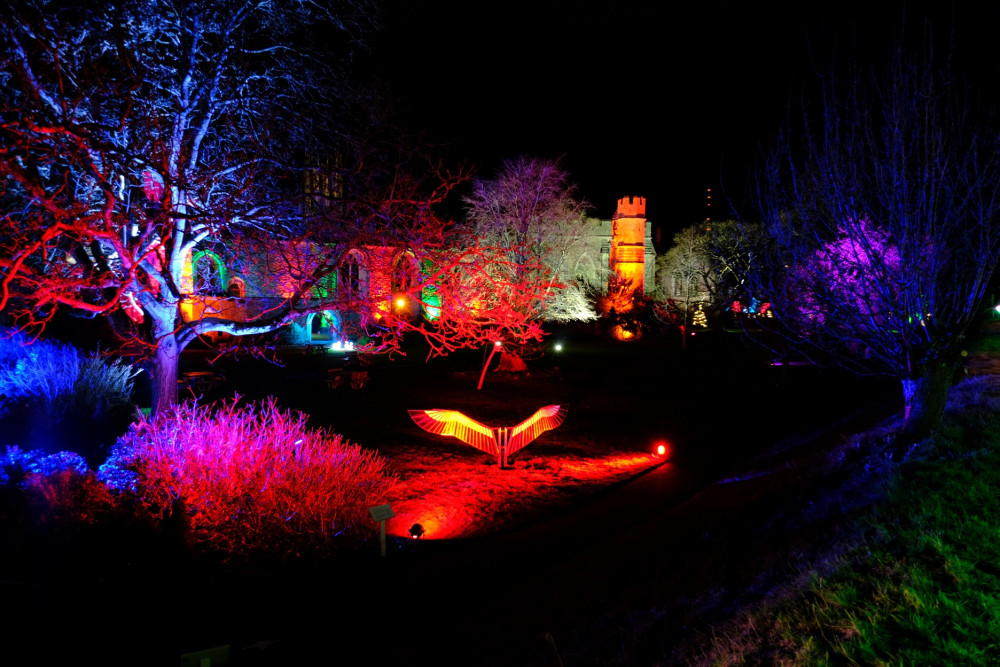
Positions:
{"x": 545, "y": 419}
{"x": 455, "y": 424}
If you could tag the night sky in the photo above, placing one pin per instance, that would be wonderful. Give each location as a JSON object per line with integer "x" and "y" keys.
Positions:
{"x": 639, "y": 98}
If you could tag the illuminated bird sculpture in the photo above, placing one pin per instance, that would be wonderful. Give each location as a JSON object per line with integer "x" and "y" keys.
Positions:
{"x": 502, "y": 442}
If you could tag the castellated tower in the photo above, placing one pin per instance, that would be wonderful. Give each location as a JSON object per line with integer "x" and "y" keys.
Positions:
{"x": 629, "y": 230}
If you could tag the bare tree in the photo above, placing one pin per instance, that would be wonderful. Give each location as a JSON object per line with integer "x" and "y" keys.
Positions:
{"x": 134, "y": 134}
{"x": 733, "y": 248}
{"x": 883, "y": 212}
{"x": 530, "y": 208}
{"x": 686, "y": 270}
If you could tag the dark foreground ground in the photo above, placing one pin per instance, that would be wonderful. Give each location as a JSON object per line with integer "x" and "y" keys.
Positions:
{"x": 626, "y": 574}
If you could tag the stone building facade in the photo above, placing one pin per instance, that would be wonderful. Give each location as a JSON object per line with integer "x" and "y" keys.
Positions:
{"x": 382, "y": 275}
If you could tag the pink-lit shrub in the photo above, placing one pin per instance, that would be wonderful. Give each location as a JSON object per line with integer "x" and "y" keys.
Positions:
{"x": 252, "y": 480}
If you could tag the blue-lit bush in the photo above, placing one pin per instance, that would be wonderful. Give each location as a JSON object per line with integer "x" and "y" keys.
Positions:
{"x": 43, "y": 373}
{"x": 16, "y": 465}
{"x": 56, "y": 380}
{"x": 54, "y": 398}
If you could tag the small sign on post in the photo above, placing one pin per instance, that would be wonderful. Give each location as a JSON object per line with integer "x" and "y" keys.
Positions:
{"x": 381, "y": 513}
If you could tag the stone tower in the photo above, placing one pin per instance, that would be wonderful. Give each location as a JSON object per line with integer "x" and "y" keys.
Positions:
{"x": 629, "y": 230}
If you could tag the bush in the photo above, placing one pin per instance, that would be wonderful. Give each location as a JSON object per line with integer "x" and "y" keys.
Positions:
{"x": 252, "y": 480}
{"x": 53, "y": 379}
{"x": 16, "y": 465}
{"x": 41, "y": 371}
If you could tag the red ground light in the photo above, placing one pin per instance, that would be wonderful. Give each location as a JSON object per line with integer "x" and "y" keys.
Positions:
{"x": 466, "y": 496}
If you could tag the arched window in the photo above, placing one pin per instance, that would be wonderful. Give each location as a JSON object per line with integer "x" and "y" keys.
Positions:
{"x": 403, "y": 279}
{"x": 209, "y": 274}
{"x": 353, "y": 275}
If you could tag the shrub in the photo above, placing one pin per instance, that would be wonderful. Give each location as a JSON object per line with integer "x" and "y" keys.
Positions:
{"x": 17, "y": 465}
{"x": 67, "y": 496}
{"x": 252, "y": 480}
{"x": 55, "y": 380}
{"x": 103, "y": 386}
{"x": 43, "y": 371}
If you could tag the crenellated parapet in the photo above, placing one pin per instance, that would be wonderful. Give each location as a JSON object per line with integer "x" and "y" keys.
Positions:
{"x": 629, "y": 233}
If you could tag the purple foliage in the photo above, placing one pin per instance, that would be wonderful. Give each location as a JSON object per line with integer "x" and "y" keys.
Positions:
{"x": 857, "y": 277}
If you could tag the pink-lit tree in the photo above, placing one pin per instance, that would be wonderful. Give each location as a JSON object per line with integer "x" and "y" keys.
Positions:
{"x": 884, "y": 215}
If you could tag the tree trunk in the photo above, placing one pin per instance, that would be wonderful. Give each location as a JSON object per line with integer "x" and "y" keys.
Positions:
{"x": 482, "y": 376}
{"x": 925, "y": 399}
{"x": 164, "y": 380}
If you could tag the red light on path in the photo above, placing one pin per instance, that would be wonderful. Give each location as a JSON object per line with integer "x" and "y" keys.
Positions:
{"x": 661, "y": 450}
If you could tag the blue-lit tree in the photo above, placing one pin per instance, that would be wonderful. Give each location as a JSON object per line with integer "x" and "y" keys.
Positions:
{"x": 883, "y": 208}
{"x": 135, "y": 136}
{"x": 135, "y": 133}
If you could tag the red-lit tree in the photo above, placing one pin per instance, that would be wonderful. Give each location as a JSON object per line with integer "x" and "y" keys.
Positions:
{"x": 140, "y": 133}
{"x": 885, "y": 219}
{"x": 478, "y": 297}
{"x": 529, "y": 216}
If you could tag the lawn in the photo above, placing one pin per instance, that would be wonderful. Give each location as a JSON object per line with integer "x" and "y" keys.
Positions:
{"x": 714, "y": 406}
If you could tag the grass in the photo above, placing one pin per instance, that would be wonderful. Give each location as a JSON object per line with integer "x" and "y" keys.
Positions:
{"x": 919, "y": 583}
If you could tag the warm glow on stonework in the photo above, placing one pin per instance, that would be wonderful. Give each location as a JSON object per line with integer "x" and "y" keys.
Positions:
{"x": 621, "y": 333}
{"x": 628, "y": 233}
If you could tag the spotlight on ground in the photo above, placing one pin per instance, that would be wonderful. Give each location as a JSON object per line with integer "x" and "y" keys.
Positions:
{"x": 660, "y": 448}
{"x": 558, "y": 347}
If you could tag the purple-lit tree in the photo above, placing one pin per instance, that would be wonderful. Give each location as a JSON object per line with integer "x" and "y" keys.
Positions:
{"x": 883, "y": 211}
{"x": 852, "y": 280}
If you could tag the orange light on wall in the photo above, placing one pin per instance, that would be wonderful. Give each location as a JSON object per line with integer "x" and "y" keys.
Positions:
{"x": 621, "y": 333}
{"x": 627, "y": 258}
{"x": 196, "y": 307}
{"x": 186, "y": 285}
